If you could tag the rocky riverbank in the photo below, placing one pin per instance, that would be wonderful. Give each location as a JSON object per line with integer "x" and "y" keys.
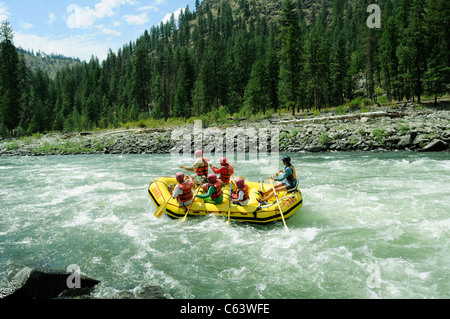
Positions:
{"x": 380, "y": 129}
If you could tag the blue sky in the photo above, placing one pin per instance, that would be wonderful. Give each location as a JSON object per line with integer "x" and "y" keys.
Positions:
{"x": 82, "y": 28}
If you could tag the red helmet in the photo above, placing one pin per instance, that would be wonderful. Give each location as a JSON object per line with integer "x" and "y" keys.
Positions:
{"x": 212, "y": 178}
{"x": 198, "y": 153}
{"x": 239, "y": 182}
{"x": 223, "y": 160}
{"x": 179, "y": 176}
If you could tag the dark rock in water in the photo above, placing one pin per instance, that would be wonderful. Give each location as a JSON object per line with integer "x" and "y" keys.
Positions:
{"x": 435, "y": 146}
{"x": 46, "y": 283}
{"x": 315, "y": 148}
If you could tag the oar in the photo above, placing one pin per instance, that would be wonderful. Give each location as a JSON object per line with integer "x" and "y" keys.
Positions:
{"x": 278, "y": 202}
{"x": 229, "y": 207}
{"x": 193, "y": 200}
{"x": 161, "y": 209}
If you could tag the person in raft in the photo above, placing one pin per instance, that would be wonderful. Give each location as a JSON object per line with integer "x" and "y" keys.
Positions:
{"x": 183, "y": 190}
{"x": 226, "y": 170}
{"x": 240, "y": 197}
{"x": 288, "y": 179}
{"x": 213, "y": 190}
{"x": 200, "y": 167}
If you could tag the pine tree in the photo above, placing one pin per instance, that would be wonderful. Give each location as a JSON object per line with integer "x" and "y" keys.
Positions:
{"x": 371, "y": 50}
{"x": 141, "y": 78}
{"x": 42, "y": 117}
{"x": 183, "y": 95}
{"x": 290, "y": 53}
{"x": 273, "y": 67}
{"x": 25, "y": 90}
{"x": 437, "y": 27}
{"x": 256, "y": 96}
{"x": 239, "y": 63}
{"x": 415, "y": 43}
{"x": 338, "y": 70}
{"x": 338, "y": 55}
{"x": 389, "y": 59}
{"x": 9, "y": 79}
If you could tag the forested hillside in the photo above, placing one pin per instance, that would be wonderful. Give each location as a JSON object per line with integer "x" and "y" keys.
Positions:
{"x": 242, "y": 57}
{"x": 49, "y": 63}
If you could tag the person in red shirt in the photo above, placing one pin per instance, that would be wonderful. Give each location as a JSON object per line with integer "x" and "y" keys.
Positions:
{"x": 225, "y": 170}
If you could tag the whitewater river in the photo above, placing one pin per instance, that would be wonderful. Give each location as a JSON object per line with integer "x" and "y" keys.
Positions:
{"x": 373, "y": 225}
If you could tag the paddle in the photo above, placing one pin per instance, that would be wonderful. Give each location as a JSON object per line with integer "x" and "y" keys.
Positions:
{"x": 193, "y": 199}
{"x": 229, "y": 207}
{"x": 278, "y": 202}
{"x": 161, "y": 209}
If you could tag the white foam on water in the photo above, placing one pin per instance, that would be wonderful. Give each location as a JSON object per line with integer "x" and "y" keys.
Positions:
{"x": 361, "y": 212}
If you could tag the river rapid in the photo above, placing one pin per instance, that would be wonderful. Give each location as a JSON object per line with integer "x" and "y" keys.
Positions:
{"x": 373, "y": 225}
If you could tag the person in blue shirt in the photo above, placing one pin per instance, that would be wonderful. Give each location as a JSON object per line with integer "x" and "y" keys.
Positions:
{"x": 288, "y": 180}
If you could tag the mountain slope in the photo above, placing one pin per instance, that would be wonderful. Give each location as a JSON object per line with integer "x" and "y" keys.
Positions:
{"x": 50, "y": 64}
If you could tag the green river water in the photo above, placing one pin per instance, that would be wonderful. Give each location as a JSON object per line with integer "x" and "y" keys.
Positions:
{"x": 373, "y": 225}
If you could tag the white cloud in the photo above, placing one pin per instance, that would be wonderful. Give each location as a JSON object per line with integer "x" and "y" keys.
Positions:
{"x": 51, "y": 18}
{"x": 79, "y": 47}
{"x": 110, "y": 32}
{"x": 148, "y": 8}
{"x": 136, "y": 19}
{"x": 80, "y": 17}
{"x": 4, "y": 14}
{"x": 176, "y": 14}
{"x": 26, "y": 25}
{"x": 84, "y": 17}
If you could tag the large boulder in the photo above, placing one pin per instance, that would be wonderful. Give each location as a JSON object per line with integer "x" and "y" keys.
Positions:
{"x": 435, "y": 146}
{"x": 404, "y": 141}
{"x": 46, "y": 283}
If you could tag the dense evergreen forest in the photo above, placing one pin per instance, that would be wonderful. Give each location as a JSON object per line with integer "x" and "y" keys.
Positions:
{"x": 238, "y": 58}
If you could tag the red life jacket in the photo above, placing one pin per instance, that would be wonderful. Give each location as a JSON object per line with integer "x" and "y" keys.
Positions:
{"x": 218, "y": 186}
{"x": 245, "y": 190}
{"x": 225, "y": 177}
{"x": 187, "y": 195}
{"x": 202, "y": 170}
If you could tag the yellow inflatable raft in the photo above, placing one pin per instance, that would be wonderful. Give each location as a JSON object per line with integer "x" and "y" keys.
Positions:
{"x": 254, "y": 212}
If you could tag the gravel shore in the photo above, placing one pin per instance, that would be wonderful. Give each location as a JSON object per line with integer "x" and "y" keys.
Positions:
{"x": 405, "y": 128}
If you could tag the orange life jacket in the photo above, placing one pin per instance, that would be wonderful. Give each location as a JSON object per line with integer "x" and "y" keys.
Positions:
{"x": 202, "y": 170}
{"x": 218, "y": 186}
{"x": 187, "y": 195}
{"x": 225, "y": 177}
{"x": 245, "y": 190}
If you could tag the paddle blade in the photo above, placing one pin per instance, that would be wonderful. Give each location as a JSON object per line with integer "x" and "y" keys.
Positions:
{"x": 161, "y": 209}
